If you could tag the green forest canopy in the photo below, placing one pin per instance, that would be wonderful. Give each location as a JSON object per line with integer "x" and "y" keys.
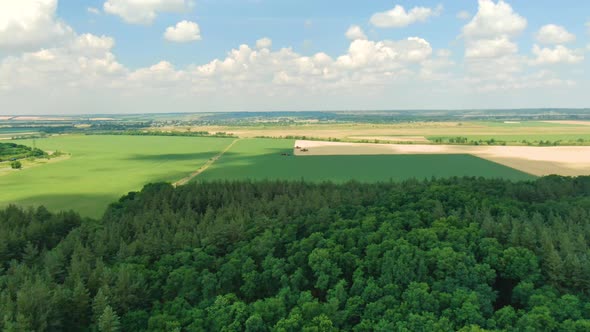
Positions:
{"x": 442, "y": 255}
{"x": 13, "y": 151}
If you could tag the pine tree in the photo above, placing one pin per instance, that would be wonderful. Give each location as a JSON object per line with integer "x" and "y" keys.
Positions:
{"x": 109, "y": 321}
{"x": 99, "y": 304}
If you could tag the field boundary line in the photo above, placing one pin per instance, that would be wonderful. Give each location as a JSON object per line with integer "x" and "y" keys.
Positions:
{"x": 205, "y": 166}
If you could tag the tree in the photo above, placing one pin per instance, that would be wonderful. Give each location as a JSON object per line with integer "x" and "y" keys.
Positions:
{"x": 16, "y": 164}
{"x": 108, "y": 321}
{"x": 99, "y": 304}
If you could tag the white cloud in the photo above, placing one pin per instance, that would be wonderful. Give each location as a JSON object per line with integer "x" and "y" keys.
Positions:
{"x": 355, "y": 32}
{"x": 385, "y": 55}
{"x": 183, "y": 32}
{"x": 86, "y": 60}
{"x": 463, "y": 15}
{"x": 490, "y": 48}
{"x": 144, "y": 11}
{"x": 162, "y": 75}
{"x": 30, "y": 24}
{"x": 398, "y": 17}
{"x": 559, "y": 54}
{"x": 588, "y": 26}
{"x": 491, "y": 55}
{"x": 93, "y": 10}
{"x": 264, "y": 43}
{"x": 554, "y": 34}
{"x": 489, "y": 34}
{"x": 494, "y": 19}
{"x": 438, "y": 68}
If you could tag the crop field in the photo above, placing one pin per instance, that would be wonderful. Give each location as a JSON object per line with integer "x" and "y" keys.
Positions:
{"x": 540, "y": 161}
{"x": 513, "y": 133}
{"x": 99, "y": 169}
{"x": 262, "y": 159}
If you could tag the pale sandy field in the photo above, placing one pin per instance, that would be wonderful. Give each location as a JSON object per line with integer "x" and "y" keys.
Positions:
{"x": 571, "y": 122}
{"x": 562, "y": 160}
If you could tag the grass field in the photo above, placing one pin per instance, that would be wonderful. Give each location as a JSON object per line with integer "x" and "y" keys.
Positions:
{"x": 102, "y": 168}
{"x": 262, "y": 159}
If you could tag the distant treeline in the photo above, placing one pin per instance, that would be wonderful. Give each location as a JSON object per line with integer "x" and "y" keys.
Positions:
{"x": 493, "y": 141}
{"x": 388, "y": 117}
{"x": 13, "y": 151}
{"x": 460, "y": 254}
{"x": 307, "y": 138}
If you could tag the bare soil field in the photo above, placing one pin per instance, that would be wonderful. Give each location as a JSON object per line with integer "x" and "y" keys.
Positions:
{"x": 570, "y": 122}
{"x": 569, "y": 161}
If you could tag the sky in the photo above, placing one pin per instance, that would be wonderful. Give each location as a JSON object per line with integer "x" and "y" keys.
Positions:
{"x": 157, "y": 56}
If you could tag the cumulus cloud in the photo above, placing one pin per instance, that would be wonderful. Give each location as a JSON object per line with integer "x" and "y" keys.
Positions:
{"x": 84, "y": 66}
{"x": 559, "y": 54}
{"x": 86, "y": 60}
{"x": 30, "y": 24}
{"x": 489, "y": 34}
{"x": 183, "y": 32}
{"x": 263, "y": 43}
{"x": 494, "y": 19}
{"x": 491, "y": 54}
{"x": 463, "y": 15}
{"x": 554, "y": 34}
{"x": 490, "y": 48}
{"x": 144, "y": 11}
{"x": 398, "y": 17}
{"x": 355, "y": 32}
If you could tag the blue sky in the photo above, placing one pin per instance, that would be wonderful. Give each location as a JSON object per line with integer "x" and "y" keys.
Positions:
{"x": 226, "y": 24}
{"x": 86, "y": 57}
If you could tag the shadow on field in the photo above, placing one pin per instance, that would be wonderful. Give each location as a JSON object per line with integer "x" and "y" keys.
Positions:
{"x": 366, "y": 168}
{"x": 172, "y": 156}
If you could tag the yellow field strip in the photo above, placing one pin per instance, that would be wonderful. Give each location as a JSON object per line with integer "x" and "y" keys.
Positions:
{"x": 205, "y": 166}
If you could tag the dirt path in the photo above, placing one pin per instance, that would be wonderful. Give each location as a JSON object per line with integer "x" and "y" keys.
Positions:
{"x": 205, "y": 166}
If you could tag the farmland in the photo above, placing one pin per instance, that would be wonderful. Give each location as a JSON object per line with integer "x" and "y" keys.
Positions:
{"x": 511, "y": 133}
{"x": 262, "y": 159}
{"x": 99, "y": 169}
{"x": 94, "y": 170}
{"x": 561, "y": 160}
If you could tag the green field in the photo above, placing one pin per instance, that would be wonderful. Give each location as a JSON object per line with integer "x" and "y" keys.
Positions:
{"x": 102, "y": 168}
{"x": 261, "y": 159}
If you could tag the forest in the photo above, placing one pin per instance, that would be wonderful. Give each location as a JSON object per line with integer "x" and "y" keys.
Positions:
{"x": 461, "y": 254}
{"x": 13, "y": 151}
